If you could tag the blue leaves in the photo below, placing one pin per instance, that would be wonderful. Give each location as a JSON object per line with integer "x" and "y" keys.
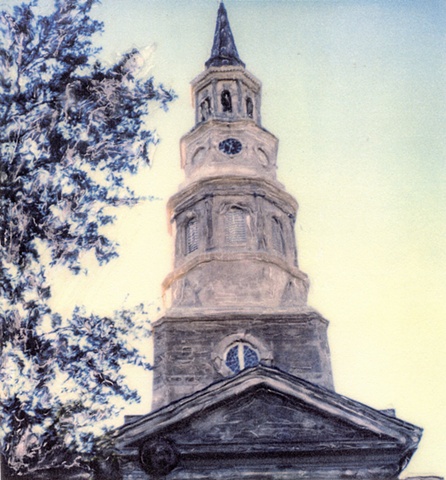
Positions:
{"x": 71, "y": 131}
{"x": 66, "y": 121}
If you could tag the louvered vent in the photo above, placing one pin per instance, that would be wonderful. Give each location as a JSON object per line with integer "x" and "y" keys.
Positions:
{"x": 192, "y": 236}
{"x": 235, "y": 226}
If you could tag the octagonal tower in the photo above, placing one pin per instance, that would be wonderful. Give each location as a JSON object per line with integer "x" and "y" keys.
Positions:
{"x": 236, "y": 296}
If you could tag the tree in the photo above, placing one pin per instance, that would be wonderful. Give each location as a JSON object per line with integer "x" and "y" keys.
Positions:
{"x": 71, "y": 131}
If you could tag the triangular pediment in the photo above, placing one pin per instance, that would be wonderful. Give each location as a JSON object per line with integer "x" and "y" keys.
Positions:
{"x": 264, "y": 416}
{"x": 264, "y": 420}
{"x": 263, "y": 405}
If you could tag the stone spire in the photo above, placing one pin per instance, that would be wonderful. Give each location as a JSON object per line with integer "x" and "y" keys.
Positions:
{"x": 236, "y": 296}
{"x": 224, "y": 51}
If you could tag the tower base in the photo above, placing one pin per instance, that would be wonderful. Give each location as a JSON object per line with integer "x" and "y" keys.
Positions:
{"x": 190, "y": 351}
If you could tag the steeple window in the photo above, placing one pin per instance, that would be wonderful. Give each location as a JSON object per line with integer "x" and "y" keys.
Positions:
{"x": 205, "y": 109}
{"x": 278, "y": 239}
{"x": 191, "y": 236}
{"x": 241, "y": 356}
{"x": 235, "y": 226}
{"x": 226, "y": 101}
{"x": 249, "y": 107}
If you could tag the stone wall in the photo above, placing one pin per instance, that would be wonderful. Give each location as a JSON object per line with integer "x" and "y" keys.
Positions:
{"x": 190, "y": 352}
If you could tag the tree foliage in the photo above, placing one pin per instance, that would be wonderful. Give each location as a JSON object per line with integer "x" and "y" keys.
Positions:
{"x": 71, "y": 131}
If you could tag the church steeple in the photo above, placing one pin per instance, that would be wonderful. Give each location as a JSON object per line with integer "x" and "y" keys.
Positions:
{"x": 236, "y": 295}
{"x": 242, "y": 382}
{"x": 224, "y": 51}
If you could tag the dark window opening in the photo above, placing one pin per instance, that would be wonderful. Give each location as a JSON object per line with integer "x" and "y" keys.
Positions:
{"x": 249, "y": 107}
{"x": 226, "y": 101}
{"x": 235, "y": 226}
{"x": 191, "y": 236}
{"x": 205, "y": 109}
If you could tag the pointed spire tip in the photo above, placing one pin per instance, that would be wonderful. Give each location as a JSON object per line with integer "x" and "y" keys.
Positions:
{"x": 224, "y": 51}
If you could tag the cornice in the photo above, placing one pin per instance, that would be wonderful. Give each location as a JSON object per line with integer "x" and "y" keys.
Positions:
{"x": 233, "y": 185}
{"x": 224, "y": 123}
{"x": 225, "y": 72}
{"x": 233, "y": 257}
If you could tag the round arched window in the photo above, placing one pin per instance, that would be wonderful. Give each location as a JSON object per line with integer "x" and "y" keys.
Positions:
{"x": 240, "y": 356}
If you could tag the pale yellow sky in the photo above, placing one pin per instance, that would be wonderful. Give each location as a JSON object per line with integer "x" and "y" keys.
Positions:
{"x": 354, "y": 90}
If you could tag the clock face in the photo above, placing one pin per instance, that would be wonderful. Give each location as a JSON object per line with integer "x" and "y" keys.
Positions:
{"x": 230, "y": 146}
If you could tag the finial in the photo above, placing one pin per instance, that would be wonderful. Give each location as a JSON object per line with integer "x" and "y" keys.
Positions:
{"x": 224, "y": 51}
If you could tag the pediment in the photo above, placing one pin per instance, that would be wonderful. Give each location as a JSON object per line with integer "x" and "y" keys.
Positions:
{"x": 264, "y": 409}
{"x": 263, "y": 416}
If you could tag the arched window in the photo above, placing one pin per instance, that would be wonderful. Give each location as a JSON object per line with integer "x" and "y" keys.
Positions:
{"x": 226, "y": 101}
{"x": 205, "y": 109}
{"x": 230, "y": 355}
{"x": 191, "y": 236}
{"x": 249, "y": 107}
{"x": 278, "y": 239}
{"x": 235, "y": 225}
{"x": 241, "y": 356}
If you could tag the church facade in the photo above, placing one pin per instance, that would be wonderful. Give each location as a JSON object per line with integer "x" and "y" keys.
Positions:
{"x": 243, "y": 385}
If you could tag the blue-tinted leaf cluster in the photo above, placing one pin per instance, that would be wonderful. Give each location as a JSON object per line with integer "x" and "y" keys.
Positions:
{"x": 71, "y": 131}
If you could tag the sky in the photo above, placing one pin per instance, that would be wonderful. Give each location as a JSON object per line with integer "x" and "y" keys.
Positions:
{"x": 355, "y": 92}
